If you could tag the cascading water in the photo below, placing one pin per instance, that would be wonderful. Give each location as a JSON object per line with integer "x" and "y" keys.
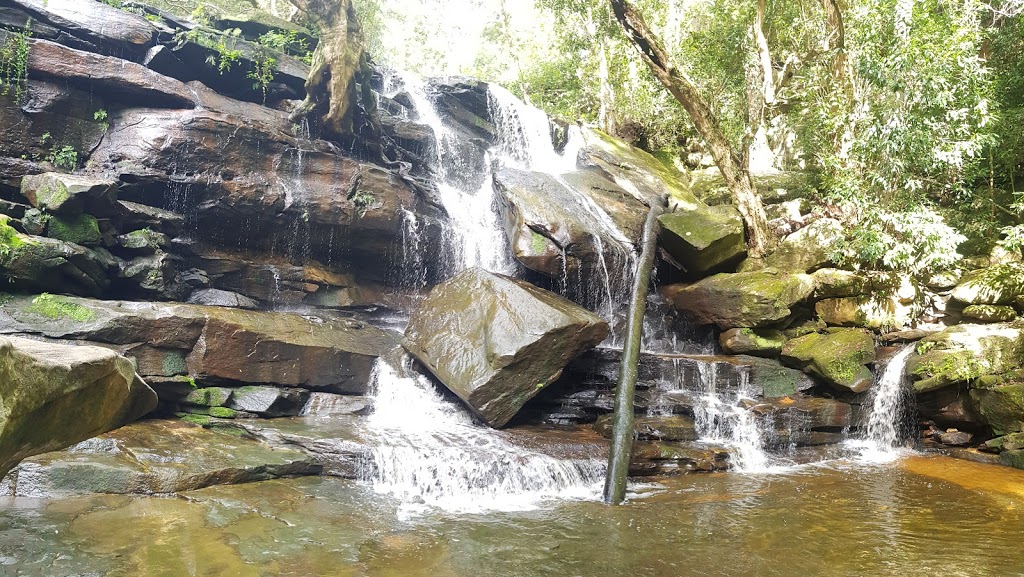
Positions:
{"x": 475, "y": 235}
{"x": 428, "y": 452}
{"x": 882, "y": 441}
{"x": 719, "y": 393}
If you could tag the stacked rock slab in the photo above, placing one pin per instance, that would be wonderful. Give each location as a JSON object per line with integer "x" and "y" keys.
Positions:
{"x": 52, "y": 396}
{"x": 496, "y": 341}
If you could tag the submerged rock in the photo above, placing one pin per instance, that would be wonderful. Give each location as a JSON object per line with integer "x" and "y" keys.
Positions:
{"x": 497, "y": 341}
{"x": 52, "y": 396}
{"x": 157, "y": 456}
{"x": 748, "y": 299}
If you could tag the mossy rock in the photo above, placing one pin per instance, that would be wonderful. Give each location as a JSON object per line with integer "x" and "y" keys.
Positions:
{"x": 990, "y": 313}
{"x": 756, "y": 342}
{"x": 209, "y": 397}
{"x": 997, "y": 285}
{"x": 146, "y": 241}
{"x": 704, "y": 239}
{"x": 1012, "y": 459}
{"x": 66, "y": 194}
{"x": 635, "y": 169}
{"x": 1011, "y": 442}
{"x": 807, "y": 249}
{"x": 82, "y": 229}
{"x": 964, "y": 353}
{"x": 839, "y": 357}
{"x": 837, "y": 283}
{"x": 57, "y": 307}
{"x": 750, "y": 299}
{"x": 1002, "y": 408}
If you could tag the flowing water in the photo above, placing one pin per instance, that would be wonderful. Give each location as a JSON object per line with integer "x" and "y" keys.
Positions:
{"x": 922, "y": 518}
{"x": 882, "y": 441}
{"x": 427, "y": 451}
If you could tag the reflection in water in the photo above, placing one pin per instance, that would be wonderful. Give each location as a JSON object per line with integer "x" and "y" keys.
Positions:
{"x": 838, "y": 520}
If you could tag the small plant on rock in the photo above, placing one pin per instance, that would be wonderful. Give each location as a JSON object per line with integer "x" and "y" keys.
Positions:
{"x": 14, "y": 65}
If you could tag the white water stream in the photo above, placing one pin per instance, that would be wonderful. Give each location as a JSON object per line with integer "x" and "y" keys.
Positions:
{"x": 882, "y": 442}
{"x": 429, "y": 453}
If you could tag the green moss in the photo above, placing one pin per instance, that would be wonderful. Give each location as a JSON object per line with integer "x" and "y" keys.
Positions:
{"x": 201, "y": 420}
{"x": 173, "y": 363}
{"x": 83, "y": 229}
{"x": 925, "y": 346}
{"x": 223, "y": 413}
{"x": 538, "y": 243}
{"x": 57, "y": 307}
{"x": 52, "y": 194}
{"x": 9, "y": 241}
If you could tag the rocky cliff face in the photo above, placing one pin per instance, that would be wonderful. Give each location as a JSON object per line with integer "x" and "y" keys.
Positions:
{"x": 152, "y": 156}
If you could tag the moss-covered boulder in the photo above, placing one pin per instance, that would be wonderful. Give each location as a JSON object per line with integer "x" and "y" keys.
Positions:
{"x": 807, "y": 249}
{"x": 82, "y": 229}
{"x": 963, "y": 353}
{"x": 756, "y": 342}
{"x": 704, "y": 239}
{"x": 68, "y": 194}
{"x": 837, "y": 283}
{"x": 996, "y": 285}
{"x": 990, "y": 313}
{"x": 39, "y": 264}
{"x": 54, "y": 395}
{"x": 635, "y": 170}
{"x": 496, "y": 341}
{"x": 870, "y": 311}
{"x": 144, "y": 241}
{"x": 840, "y": 357}
{"x": 1000, "y": 402}
{"x": 750, "y": 299}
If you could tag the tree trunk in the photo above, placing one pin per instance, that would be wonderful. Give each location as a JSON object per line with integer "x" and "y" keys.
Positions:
{"x": 622, "y": 427}
{"x": 733, "y": 165}
{"x": 330, "y": 87}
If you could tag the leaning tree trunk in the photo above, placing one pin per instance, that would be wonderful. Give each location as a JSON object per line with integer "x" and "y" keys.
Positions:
{"x": 733, "y": 165}
{"x": 330, "y": 87}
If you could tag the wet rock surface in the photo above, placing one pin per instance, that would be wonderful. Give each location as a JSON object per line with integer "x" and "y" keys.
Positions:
{"x": 57, "y": 395}
{"x": 496, "y": 341}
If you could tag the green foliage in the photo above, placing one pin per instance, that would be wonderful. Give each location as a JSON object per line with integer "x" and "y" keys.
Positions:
{"x": 262, "y": 73}
{"x": 101, "y": 117}
{"x": 917, "y": 241}
{"x": 65, "y": 157}
{"x": 223, "y": 413}
{"x": 227, "y": 54}
{"x": 14, "y": 65}
{"x": 58, "y": 307}
{"x": 288, "y": 43}
{"x": 363, "y": 201}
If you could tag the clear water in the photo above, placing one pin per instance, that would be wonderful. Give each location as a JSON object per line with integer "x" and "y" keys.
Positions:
{"x": 921, "y": 517}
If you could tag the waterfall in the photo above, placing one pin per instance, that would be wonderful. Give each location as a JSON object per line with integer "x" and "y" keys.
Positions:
{"x": 882, "y": 441}
{"x": 428, "y": 452}
{"x": 720, "y": 399}
{"x": 475, "y": 236}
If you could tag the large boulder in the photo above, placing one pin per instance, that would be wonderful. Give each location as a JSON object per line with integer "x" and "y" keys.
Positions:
{"x": 496, "y": 341}
{"x": 962, "y": 353}
{"x": 807, "y": 249}
{"x": 229, "y": 345}
{"x": 749, "y": 299}
{"x": 1000, "y": 403}
{"x": 46, "y": 264}
{"x": 68, "y": 194}
{"x": 635, "y": 170}
{"x": 558, "y": 229}
{"x": 704, "y": 238}
{"x": 157, "y": 456}
{"x": 52, "y": 396}
{"x": 840, "y": 357}
{"x": 759, "y": 343}
{"x": 996, "y": 285}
